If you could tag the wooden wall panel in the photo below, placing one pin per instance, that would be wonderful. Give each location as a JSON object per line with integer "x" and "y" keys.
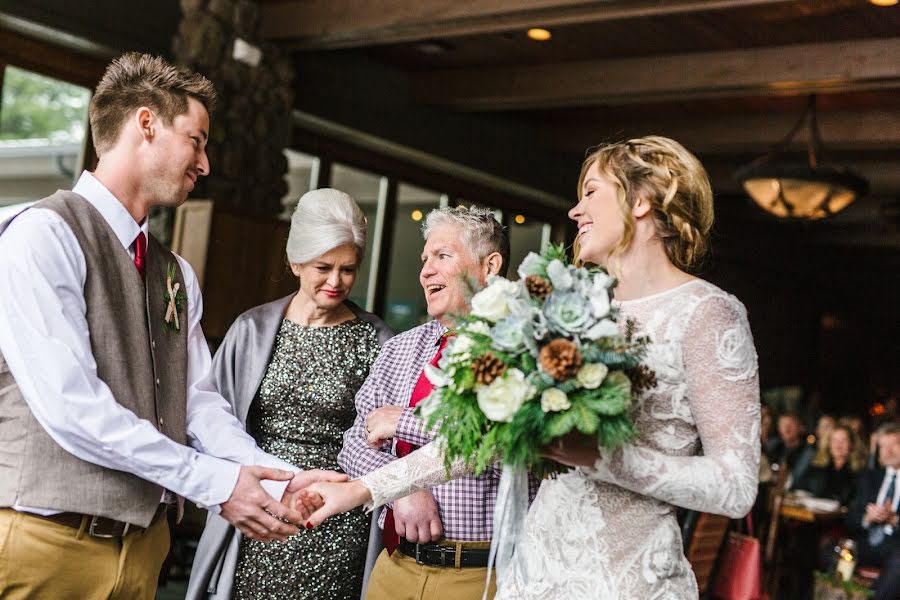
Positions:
{"x": 245, "y": 267}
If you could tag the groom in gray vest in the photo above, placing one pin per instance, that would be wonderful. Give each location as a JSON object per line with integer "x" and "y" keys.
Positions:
{"x": 107, "y": 416}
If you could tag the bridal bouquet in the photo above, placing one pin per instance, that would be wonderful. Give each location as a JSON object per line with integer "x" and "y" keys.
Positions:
{"x": 535, "y": 360}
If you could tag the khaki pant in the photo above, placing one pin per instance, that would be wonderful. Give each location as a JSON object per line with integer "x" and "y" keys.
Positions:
{"x": 399, "y": 577}
{"x": 43, "y": 559}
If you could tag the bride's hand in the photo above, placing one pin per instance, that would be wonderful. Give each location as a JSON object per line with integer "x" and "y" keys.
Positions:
{"x": 337, "y": 498}
{"x": 574, "y": 450}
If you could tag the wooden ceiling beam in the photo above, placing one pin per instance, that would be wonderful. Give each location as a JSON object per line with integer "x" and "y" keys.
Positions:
{"x": 795, "y": 69}
{"x": 844, "y": 130}
{"x": 328, "y": 24}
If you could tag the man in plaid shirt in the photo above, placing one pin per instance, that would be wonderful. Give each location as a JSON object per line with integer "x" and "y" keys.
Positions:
{"x": 460, "y": 244}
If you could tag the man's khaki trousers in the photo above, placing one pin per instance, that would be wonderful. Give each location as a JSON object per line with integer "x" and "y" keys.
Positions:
{"x": 399, "y": 577}
{"x": 43, "y": 559}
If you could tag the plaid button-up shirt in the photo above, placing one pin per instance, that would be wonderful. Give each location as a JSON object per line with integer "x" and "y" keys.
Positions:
{"x": 466, "y": 505}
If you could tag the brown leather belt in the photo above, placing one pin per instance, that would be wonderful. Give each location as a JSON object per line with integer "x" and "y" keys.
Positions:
{"x": 101, "y": 527}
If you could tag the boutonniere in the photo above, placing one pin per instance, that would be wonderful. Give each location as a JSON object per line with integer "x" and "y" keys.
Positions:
{"x": 174, "y": 299}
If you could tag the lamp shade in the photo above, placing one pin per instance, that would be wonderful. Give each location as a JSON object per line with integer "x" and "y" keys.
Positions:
{"x": 811, "y": 190}
{"x": 800, "y": 191}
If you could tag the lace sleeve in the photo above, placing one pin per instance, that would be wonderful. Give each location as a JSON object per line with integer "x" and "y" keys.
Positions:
{"x": 416, "y": 471}
{"x": 720, "y": 367}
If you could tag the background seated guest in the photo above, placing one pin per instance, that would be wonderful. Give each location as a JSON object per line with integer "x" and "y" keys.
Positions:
{"x": 824, "y": 426}
{"x": 790, "y": 447}
{"x": 857, "y": 425}
{"x": 873, "y": 514}
{"x": 766, "y": 433}
{"x": 290, "y": 370}
{"x": 833, "y": 471}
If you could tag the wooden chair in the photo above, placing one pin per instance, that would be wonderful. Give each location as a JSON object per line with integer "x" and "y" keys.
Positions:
{"x": 771, "y": 560}
{"x": 703, "y": 535}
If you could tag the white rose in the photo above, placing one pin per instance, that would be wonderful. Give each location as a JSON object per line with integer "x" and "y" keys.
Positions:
{"x": 591, "y": 375}
{"x": 604, "y": 328}
{"x": 492, "y": 303}
{"x": 436, "y": 376}
{"x": 554, "y": 400}
{"x": 428, "y": 405}
{"x": 459, "y": 346}
{"x": 500, "y": 400}
{"x": 560, "y": 277}
{"x": 599, "y": 301}
{"x": 478, "y": 327}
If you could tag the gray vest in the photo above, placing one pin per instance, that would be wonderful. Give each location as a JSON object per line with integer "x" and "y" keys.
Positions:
{"x": 143, "y": 364}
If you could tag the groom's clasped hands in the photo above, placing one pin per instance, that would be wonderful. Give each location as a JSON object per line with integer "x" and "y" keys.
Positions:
{"x": 259, "y": 516}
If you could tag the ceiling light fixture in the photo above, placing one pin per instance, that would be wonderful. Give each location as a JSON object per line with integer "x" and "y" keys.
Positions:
{"x": 884, "y": 2}
{"x": 539, "y": 35}
{"x": 810, "y": 190}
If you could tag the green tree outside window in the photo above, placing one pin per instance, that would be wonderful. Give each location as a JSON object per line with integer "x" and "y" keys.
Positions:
{"x": 38, "y": 107}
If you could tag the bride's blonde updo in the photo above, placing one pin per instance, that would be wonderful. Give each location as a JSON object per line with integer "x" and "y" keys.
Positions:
{"x": 662, "y": 172}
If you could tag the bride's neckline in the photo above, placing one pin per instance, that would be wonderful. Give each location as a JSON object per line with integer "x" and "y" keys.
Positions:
{"x": 657, "y": 295}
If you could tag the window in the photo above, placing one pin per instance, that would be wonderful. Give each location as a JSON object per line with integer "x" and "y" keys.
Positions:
{"x": 405, "y": 305}
{"x": 525, "y": 235}
{"x": 368, "y": 190}
{"x": 302, "y": 176}
{"x": 43, "y": 122}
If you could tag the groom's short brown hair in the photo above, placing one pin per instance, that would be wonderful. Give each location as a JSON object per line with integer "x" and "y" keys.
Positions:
{"x": 134, "y": 80}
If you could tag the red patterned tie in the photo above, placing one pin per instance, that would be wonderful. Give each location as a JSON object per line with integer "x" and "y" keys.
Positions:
{"x": 419, "y": 393}
{"x": 140, "y": 252}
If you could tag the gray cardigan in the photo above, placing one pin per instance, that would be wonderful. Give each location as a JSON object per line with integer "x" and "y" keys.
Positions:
{"x": 238, "y": 369}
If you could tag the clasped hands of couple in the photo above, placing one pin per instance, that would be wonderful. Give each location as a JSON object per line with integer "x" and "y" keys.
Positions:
{"x": 327, "y": 497}
{"x": 261, "y": 517}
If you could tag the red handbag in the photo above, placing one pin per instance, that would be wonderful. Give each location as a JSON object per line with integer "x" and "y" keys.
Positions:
{"x": 738, "y": 576}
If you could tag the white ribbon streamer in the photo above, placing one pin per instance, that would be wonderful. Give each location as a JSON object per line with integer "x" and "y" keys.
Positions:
{"x": 509, "y": 522}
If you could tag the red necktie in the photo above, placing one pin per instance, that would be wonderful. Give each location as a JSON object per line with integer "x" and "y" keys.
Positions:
{"x": 140, "y": 252}
{"x": 420, "y": 392}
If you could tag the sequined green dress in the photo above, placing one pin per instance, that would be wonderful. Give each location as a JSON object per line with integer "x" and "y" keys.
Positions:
{"x": 304, "y": 404}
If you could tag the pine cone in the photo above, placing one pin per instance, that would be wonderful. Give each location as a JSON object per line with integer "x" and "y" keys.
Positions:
{"x": 561, "y": 359}
{"x": 538, "y": 287}
{"x": 487, "y": 368}
{"x": 642, "y": 378}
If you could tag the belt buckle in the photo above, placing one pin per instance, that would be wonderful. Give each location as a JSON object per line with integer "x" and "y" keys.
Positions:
{"x": 93, "y": 533}
{"x": 418, "y": 558}
{"x": 445, "y": 550}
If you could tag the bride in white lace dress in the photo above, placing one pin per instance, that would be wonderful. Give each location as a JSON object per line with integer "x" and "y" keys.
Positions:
{"x": 607, "y": 529}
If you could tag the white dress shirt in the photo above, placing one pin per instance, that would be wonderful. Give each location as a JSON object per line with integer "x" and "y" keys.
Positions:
{"x": 45, "y": 341}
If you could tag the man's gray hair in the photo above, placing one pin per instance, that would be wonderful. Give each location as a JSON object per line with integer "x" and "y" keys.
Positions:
{"x": 323, "y": 220}
{"x": 482, "y": 234}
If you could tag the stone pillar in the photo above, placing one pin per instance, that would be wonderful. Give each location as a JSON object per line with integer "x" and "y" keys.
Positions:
{"x": 251, "y": 126}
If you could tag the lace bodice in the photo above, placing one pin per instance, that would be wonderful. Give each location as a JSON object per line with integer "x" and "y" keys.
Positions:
{"x": 609, "y": 531}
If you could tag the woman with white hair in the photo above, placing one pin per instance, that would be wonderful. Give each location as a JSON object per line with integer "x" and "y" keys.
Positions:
{"x": 290, "y": 370}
